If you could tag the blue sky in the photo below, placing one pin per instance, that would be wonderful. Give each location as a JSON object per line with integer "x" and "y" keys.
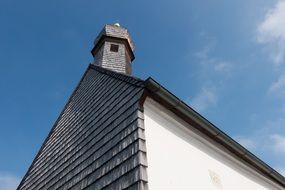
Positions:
{"x": 224, "y": 58}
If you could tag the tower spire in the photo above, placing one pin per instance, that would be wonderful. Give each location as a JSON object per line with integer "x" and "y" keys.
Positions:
{"x": 113, "y": 49}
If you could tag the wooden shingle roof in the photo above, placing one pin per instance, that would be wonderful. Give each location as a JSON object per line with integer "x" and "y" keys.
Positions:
{"x": 98, "y": 140}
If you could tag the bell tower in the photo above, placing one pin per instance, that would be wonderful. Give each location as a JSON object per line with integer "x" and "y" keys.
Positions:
{"x": 113, "y": 49}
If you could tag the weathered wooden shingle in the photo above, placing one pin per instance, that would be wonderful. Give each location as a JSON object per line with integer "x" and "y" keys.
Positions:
{"x": 98, "y": 140}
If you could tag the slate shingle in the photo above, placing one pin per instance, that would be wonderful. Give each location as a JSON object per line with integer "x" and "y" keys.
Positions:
{"x": 98, "y": 140}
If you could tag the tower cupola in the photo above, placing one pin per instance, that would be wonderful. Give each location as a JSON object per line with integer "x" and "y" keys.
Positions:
{"x": 113, "y": 49}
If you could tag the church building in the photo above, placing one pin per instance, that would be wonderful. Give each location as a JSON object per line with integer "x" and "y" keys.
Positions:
{"x": 120, "y": 132}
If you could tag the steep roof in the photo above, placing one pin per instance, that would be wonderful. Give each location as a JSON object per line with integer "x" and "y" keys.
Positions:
{"x": 98, "y": 140}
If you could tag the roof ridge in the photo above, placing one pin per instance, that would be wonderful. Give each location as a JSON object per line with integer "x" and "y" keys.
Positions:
{"x": 120, "y": 76}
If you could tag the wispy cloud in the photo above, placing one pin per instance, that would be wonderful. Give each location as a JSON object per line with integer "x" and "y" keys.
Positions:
{"x": 271, "y": 31}
{"x": 212, "y": 71}
{"x": 277, "y": 90}
{"x": 281, "y": 171}
{"x": 278, "y": 144}
{"x": 203, "y": 54}
{"x": 278, "y": 87}
{"x": 223, "y": 66}
{"x": 247, "y": 142}
{"x": 275, "y": 143}
{"x": 8, "y": 182}
{"x": 213, "y": 63}
{"x": 273, "y": 133}
{"x": 204, "y": 99}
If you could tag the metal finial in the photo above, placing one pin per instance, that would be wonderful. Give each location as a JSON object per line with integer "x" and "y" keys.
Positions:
{"x": 117, "y": 24}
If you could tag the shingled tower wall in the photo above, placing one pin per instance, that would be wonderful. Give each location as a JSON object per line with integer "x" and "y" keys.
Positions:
{"x": 113, "y": 49}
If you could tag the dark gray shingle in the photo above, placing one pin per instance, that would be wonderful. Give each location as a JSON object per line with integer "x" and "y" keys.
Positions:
{"x": 98, "y": 141}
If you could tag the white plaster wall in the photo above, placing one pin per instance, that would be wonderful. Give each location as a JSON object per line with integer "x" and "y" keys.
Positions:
{"x": 180, "y": 159}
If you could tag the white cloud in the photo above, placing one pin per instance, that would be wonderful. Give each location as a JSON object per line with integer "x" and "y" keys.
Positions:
{"x": 212, "y": 72}
{"x": 223, "y": 67}
{"x": 278, "y": 86}
{"x": 203, "y": 54}
{"x": 271, "y": 31}
{"x": 8, "y": 182}
{"x": 278, "y": 144}
{"x": 273, "y": 25}
{"x": 204, "y": 99}
{"x": 247, "y": 142}
{"x": 271, "y": 132}
{"x": 213, "y": 63}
